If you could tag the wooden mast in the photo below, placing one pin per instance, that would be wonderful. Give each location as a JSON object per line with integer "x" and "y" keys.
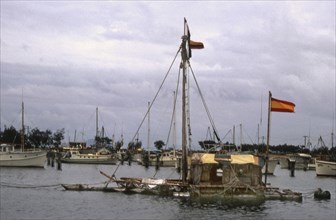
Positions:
{"x": 268, "y": 134}
{"x": 184, "y": 81}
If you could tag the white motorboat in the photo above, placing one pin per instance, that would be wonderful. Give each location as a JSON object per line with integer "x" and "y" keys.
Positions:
{"x": 325, "y": 168}
{"x": 103, "y": 156}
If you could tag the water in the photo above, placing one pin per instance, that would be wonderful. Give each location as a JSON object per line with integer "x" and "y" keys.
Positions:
{"x": 37, "y": 194}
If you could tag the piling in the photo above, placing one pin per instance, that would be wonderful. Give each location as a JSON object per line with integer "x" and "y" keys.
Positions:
{"x": 52, "y": 158}
{"x": 48, "y": 157}
{"x": 145, "y": 160}
{"x": 59, "y": 162}
{"x": 129, "y": 158}
{"x": 178, "y": 165}
{"x": 157, "y": 164}
{"x": 122, "y": 158}
{"x": 291, "y": 166}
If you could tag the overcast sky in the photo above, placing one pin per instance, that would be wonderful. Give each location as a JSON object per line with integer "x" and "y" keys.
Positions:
{"x": 66, "y": 58}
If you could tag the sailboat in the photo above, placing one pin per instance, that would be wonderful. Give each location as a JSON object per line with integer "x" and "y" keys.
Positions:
{"x": 241, "y": 175}
{"x": 9, "y": 157}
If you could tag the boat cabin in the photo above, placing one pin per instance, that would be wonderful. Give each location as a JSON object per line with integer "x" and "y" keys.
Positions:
{"x": 7, "y": 148}
{"x": 221, "y": 169}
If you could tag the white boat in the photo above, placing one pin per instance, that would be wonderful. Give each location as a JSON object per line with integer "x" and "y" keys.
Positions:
{"x": 162, "y": 158}
{"x": 103, "y": 156}
{"x": 325, "y": 168}
{"x": 9, "y": 157}
{"x": 271, "y": 167}
{"x": 169, "y": 158}
{"x": 301, "y": 161}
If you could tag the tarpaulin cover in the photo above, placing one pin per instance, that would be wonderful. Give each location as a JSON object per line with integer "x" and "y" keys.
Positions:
{"x": 239, "y": 159}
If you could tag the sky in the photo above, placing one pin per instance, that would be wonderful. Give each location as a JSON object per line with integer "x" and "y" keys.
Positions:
{"x": 64, "y": 59}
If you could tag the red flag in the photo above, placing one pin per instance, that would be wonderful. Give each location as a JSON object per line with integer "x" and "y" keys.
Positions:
{"x": 196, "y": 45}
{"x": 278, "y": 105}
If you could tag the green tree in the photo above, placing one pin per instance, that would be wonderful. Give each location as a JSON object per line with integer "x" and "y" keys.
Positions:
{"x": 58, "y": 136}
{"x": 159, "y": 144}
{"x": 10, "y": 135}
{"x": 39, "y": 138}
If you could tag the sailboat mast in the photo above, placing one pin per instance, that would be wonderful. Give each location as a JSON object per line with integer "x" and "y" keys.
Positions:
{"x": 148, "y": 134}
{"x": 22, "y": 129}
{"x": 174, "y": 125}
{"x": 97, "y": 122}
{"x": 184, "y": 131}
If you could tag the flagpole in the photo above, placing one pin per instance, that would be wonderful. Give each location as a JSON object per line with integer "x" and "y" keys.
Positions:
{"x": 268, "y": 134}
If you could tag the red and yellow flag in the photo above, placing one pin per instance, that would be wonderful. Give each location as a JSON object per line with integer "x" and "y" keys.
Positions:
{"x": 278, "y": 105}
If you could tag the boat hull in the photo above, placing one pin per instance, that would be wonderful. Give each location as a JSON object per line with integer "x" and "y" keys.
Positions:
{"x": 22, "y": 159}
{"x": 271, "y": 167}
{"x": 325, "y": 168}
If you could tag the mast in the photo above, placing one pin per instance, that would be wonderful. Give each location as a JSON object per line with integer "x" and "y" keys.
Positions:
{"x": 97, "y": 122}
{"x": 268, "y": 134}
{"x": 22, "y": 129}
{"x": 174, "y": 125}
{"x": 234, "y": 135}
{"x": 186, "y": 47}
{"x": 148, "y": 135}
{"x": 184, "y": 81}
{"x": 241, "y": 136}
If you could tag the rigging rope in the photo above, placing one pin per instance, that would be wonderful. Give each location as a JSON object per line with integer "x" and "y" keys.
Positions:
{"x": 174, "y": 107}
{"x": 157, "y": 93}
{"x": 205, "y": 105}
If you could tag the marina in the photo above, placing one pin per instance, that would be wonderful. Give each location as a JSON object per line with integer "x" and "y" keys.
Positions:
{"x": 67, "y": 168}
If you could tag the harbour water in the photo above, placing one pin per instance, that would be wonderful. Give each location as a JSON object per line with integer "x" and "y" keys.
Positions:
{"x": 30, "y": 193}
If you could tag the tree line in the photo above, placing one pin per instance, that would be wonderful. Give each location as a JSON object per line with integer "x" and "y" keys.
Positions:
{"x": 33, "y": 138}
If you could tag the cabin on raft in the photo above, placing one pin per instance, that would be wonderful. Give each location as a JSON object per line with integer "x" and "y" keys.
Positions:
{"x": 225, "y": 174}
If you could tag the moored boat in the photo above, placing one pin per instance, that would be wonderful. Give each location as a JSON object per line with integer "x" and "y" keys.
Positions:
{"x": 9, "y": 157}
{"x": 301, "y": 161}
{"x": 272, "y": 163}
{"x": 103, "y": 156}
{"x": 164, "y": 158}
{"x": 325, "y": 168}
